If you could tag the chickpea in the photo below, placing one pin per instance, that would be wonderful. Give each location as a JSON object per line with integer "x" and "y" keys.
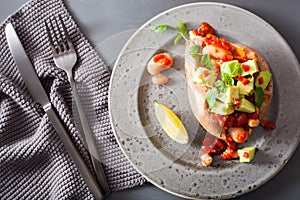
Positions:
{"x": 159, "y": 63}
{"x": 206, "y": 159}
{"x": 253, "y": 122}
{"x": 238, "y": 134}
{"x": 160, "y": 80}
{"x": 215, "y": 52}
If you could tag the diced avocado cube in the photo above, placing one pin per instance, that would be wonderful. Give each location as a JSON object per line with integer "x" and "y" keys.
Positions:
{"x": 205, "y": 76}
{"x": 231, "y": 92}
{"x": 246, "y": 154}
{"x": 222, "y": 108}
{"x": 230, "y": 67}
{"x": 249, "y": 67}
{"x": 241, "y": 96}
{"x": 246, "y": 106}
{"x": 222, "y": 97}
{"x": 246, "y": 89}
{"x": 263, "y": 79}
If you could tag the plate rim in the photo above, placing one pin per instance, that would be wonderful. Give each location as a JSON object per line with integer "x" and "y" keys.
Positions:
{"x": 295, "y": 60}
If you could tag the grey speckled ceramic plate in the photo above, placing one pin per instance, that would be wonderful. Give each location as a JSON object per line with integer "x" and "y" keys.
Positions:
{"x": 174, "y": 167}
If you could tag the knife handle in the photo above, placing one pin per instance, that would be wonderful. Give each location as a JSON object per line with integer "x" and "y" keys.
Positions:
{"x": 74, "y": 153}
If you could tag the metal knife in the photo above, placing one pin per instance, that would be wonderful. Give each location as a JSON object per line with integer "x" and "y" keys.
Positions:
{"x": 38, "y": 93}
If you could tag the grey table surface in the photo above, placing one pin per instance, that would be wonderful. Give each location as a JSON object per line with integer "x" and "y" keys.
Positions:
{"x": 108, "y": 24}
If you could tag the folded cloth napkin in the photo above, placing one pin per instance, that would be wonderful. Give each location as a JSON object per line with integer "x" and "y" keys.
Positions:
{"x": 33, "y": 161}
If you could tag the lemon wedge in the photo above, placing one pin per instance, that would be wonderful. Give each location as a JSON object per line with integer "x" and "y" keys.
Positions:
{"x": 171, "y": 124}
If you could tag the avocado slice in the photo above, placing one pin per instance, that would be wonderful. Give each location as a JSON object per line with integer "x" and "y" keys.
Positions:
{"x": 222, "y": 108}
{"x": 246, "y": 154}
{"x": 263, "y": 79}
{"x": 246, "y": 89}
{"x": 250, "y": 67}
{"x": 246, "y": 106}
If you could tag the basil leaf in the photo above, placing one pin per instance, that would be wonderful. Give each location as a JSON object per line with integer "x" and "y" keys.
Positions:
{"x": 161, "y": 28}
{"x": 206, "y": 61}
{"x": 221, "y": 86}
{"x": 259, "y": 96}
{"x": 211, "y": 97}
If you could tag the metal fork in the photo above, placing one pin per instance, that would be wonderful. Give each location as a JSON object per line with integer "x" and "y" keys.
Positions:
{"x": 65, "y": 58}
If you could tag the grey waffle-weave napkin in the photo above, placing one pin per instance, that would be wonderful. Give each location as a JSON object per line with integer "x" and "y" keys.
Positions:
{"x": 33, "y": 162}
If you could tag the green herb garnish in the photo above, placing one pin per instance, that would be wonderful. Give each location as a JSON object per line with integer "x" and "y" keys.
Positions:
{"x": 221, "y": 86}
{"x": 259, "y": 96}
{"x": 211, "y": 97}
{"x": 206, "y": 61}
{"x": 238, "y": 70}
{"x": 194, "y": 51}
{"x": 227, "y": 79}
{"x": 182, "y": 31}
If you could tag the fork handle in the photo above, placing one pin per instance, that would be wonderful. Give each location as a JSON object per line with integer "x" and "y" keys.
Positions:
{"x": 89, "y": 139}
{"x": 74, "y": 153}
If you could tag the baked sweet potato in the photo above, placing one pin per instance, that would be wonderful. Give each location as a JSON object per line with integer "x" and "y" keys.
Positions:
{"x": 218, "y": 51}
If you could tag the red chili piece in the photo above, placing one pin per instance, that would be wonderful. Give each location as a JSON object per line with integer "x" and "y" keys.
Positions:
{"x": 212, "y": 39}
{"x": 230, "y": 151}
{"x": 227, "y": 57}
{"x": 236, "y": 102}
{"x": 205, "y": 29}
{"x": 241, "y": 136}
{"x": 261, "y": 80}
{"x": 158, "y": 57}
{"x": 246, "y": 155}
{"x": 246, "y": 67}
{"x": 243, "y": 80}
{"x": 196, "y": 32}
{"x": 162, "y": 59}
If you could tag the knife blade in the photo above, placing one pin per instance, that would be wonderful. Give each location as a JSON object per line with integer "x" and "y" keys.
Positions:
{"x": 38, "y": 93}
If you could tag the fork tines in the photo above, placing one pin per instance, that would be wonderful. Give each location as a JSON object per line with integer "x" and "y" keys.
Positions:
{"x": 58, "y": 35}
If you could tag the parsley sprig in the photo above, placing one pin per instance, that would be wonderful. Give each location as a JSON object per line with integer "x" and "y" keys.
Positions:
{"x": 194, "y": 51}
{"x": 221, "y": 86}
{"x": 227, "y": 79}
{"x": 206, "y": 61}
{"x": 211, "y": 97}
{"x": 182, "y": 31}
